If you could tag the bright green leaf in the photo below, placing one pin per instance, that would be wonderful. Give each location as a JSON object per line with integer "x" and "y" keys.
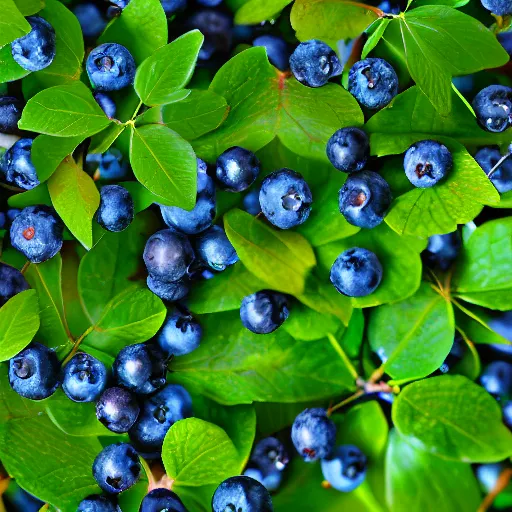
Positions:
{"x": 375, "y": 36}
{"x": 29, "y": 7}
{"x": 37, "y": 195}
{"x": 10, "y": 70}
{"x": 12, "y": 23}
{"x": 256, "y": 11}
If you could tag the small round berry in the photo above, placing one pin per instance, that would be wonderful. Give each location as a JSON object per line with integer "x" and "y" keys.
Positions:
{"x": 277, "y": 50}
{"x": 117, "y": 409}
{"x": 268, "y": 476}
{"x": 442, "y": 250}
{"x": 180, "y": 334}
{"x": 263, "y": 312}
{"x": 251, "y": 202}
{"x": 497, "y": 379}
{"x": 498, "y": 7}
{"x": 106, "y": 103}
{"x": 241, "y": 493}
{"x": 348, "y": 149}
{"x": 84, "y": 378}
{"x": 115, "y": 212}
{"x": 501, "y": 178}
{"x": 10, "y": 113}
{"x": 214, "y": 249}
{"x": 12, "y": 282}
{"x": 90, "y": 18}
{"x": 345, "y": 468}
{"x": 18, "y": 167}
{"x": 237, "y": 168}
{"x": 109, "y": 166}
{"x": 427, "y": 162}
{"x": 493, "y": 108}
{"x": 162, "y": 500}
{"x": 97, "y": 503}
{"x": 173, "y": 6}
{"x": 169, "y": 291}
{"x": 270, "y": 451}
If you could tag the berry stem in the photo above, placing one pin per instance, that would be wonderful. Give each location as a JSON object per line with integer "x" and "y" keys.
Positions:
{"x": 355, "y": 396}
{"x": 497, "y": 166}
{"x": 337, "y": 347}
{"x": 25, "y": 267}
{"x": 501, "y": 485}
{"x": 77, "y": 344}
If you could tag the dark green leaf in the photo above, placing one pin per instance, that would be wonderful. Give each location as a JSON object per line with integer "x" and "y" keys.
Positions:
{"x": 104, "y": 139}
{"x": 29, "y": 7}
{"x": 256, "y": 11}
{"x": 12, "y": 23}
{"x": 438, "y": 415}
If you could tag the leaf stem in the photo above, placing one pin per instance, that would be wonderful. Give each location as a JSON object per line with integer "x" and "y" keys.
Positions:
{"x": 501, "y": 485}
{"x": 77, "y": 344}
{"x": 136, "y": 111}
{"x": 355, "y": 396}
{"x": 25, "y": 267}
{"x": 337, "y": 347}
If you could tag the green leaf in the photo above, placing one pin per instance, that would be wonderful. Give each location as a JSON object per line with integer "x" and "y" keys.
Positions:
{"x": 10, "y": 70}
{"x": 12, "y": 24}
{"x": 482, "y": 276}
{"x": 416, "y": 480}
{"x": 168, "y": 69}
{"x": 75, "y": 198}
{"x": 141, "y": 28}
{"x": 19, "y": 322}
{"x": 478, "y": 325}
{"x": 29, "y": 7}
{"x": 414, "y": 336}
{"x": 37, "y": 195}
{"x": 331, "y": 20}
{"x": 259, "y": 246}
{"x": 438, "y": 415}
{"x": 253, "y": 367}
{"x": 400, "y": 261}
{"x": 375, "y": 36}
{"x": 46, "y": 279}
{"x": 449, "y": 3}
{"x": 64, "y": 111}
{"x": 256, "y": 11}
{"x": 265, "y": 103}
{"x": 308, "y": 325}
{"x": 428, "y": 31}
{"x": 102, "y": 141}
{"x": 165, "y": 164}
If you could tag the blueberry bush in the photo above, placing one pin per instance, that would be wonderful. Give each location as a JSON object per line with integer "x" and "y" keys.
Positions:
{"x": 255, "y": 255}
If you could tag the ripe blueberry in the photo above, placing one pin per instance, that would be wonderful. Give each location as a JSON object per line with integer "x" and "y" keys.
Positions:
{"x": 97, "y": 503}
{"x": 313, "y": 434}
{"x": 493, "y": 108}
{"x": 180, "y": 334}
{"x": 84, "y": 378}
{"x": 498, "y": 7}
{"x": 263, "y": 312}
{"x": 115, "y": 212}
{"x": 507, "y": 414}
{"x": 277, "y": 50}
{"x": 505, "y": 39}
{"x": 442, "y": 250}
{"x": 110, "y": 165}
{"x": 345, "y": 468}
{"x": 373, "y": 82}
{"x": 117, "y": 468}
{"x": 172, "y": 291}
{"x": 364, "y": 199}
{"x": 241, "y": 493}
{"x": 488, "y": 474}
{"x": 18, "y": 167}
{"x": 33, "y": 373}
{"x": 268, "y": 476}
{"x": 10, "y": 113}
{"x": 251, "y": 202}
{"x": 285, "y": 199}
{"x": 106, "y": 103}
{"x": 217, "y": 29}
{"x": 117, "y": 409}
{"x": 497, "y": 379}
{"x": 37, "y": 233}
{"x": 348, "y": 149}
{"x": 427, "y": 162}
{"x": 12, "y": 282}
{"x": 214, "y": 249}
{"x": 487, "y": 158}
{"x": 162, "y": 500}
{"x": 110, "y": 67}
{"x": 237, "y": 168}
{"x": 91, "y": 19}
{"x": 173, "y": 6}
{"x": 356, "y": 272}
{"x": 270, "y": 451}
{"x": 314, "y": 62}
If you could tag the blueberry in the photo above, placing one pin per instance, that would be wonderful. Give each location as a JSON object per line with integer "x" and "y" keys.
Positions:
{"x": 442, "y": 250}
{"x": 201, "y": 216}
{"x": 487, "y": 158}
{"x": 277, "y": 50}
{"x": 209, "y": 3}
{"x": 180, "y": 334}
{"x": 348, "y": 149}
{"x": 10, "y": 113}
{"x": 33, "y": 373}
{"x": 110, "y": 67}
{"x": 389, "y": 7}
{"x": 497, "y": 379}
{"x": 12, "y": 282}
{"x": 427, "y": 162}
{"x": 172, "y": 291}
{"x": 214, "y": 249}
{"x": 37, "y": 233}
{"x": 217, "y": 29}
{"x": 162, "y": 500}
{"x": 117, "y": 468}
{"x": 313, "y": 434}
{"x": 115, "y": 212}
{"x": 84, "y": 378}
{"x": 345, "y": 468}
{"x": 505, "y": 39}
{"x": 121, "y": 4}
{"x": 106, "y": 103}
{"x": 464, "y": 84}
{"x": 3, "y": 220}
{"x": 373, "y": 82}
{"x": 507, "y": 414}
{"x": 97, "y": 503}
{"x": 237, "y": 168}
{"x": 12, "y": 213}
{"x": 364, "y": 199}
{"x": 111, "y": 164}
{"x": 269, "y": 451}
{"x": 313, "y": 63}
{"x": 498, "y": 7}
{"x": 263, "y": 312}
{"x": 241, "y": 494}
{"x": 36, "y": 50}
{"x": 90, "y": 18}
{"x": 251, "y": 202}
{"x": 488, "y": 474}
{"x": 159, "y": 413}
{"x": 356, "y": 272}
{"x": 268, "y": 476}
{"x": 141, "y": 368}
{"x": 168, "y": 255}
{"x": 493, "y": 108}
{"x": 285, "y": 199}
{"x": 117, "y": 409}
{"x": 18, "y": 167}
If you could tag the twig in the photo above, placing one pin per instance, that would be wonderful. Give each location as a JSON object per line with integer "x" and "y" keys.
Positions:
{"x": 500, "y": 486}
{"x": 77, "y": 345}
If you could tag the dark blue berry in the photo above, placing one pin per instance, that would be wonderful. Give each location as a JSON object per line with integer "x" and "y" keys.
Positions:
{"x": 12, "y": 282}
{"x": 97, "y": 503}
{"x": 217, "y": 29}
{"x": 84, "y": 378}
{"x": 214, "y": 249}
{"x": 106, "y": 103}
{"x": 180, "y": 334}
{"x": 110, "y": 165}
{"x": 91, "y": 19}
{"x": 498, "y": 7}
{"x": 270, "y": 451}
{"x": 348, "y": 149}
{"x": 507, "y": 414}
{"x": 36, "y": 50}
{"x": 277, "y": 50}
{"x": 345, "y": 468}
{"x": 356, "y": 272}
{"x": 117, "y": 468}
{"x": 442, "y": 250}
{"x": 209, "y": 3}
{"x": 34, "y": 372}
{"x": 37, "y": 233}
{"x": 117, "y": 409}
{"x": 237, "y": 168}
{"x": 241, "y": 494}
{"x": 497, "y": 379}
{"x": 487, "y": 158}
{"x": 3, "y": 220}
{"x": 18, "y": 167}
{"x": 364, "y": 199}
{"x": 110, "y": 67}
{"x": 373, "y": 82}
{"x": 263, "y": 312}
{"x": 115, "y": 212}
{"x": 10, "y": 113}
{"x": 141, "y": 368}
{"x": 314, "y": 62}
{"x": 251, "y": 202}
{"x": 268, "y": 476}
{"x": 173, "y": 6}
{"x": 12, "y": 213}
{"x": 493, "y": 108}
{"x": 505, "y": 39}
{"x": 285, "y": 199}
{"x": 313, "y": 434}
{"x": 427, "y": 162}
{"x": 488, "y": 474}
{"x": 170, "y": 291}
{"x": 162, "y": 500}
{"x": 389, "y": 7}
